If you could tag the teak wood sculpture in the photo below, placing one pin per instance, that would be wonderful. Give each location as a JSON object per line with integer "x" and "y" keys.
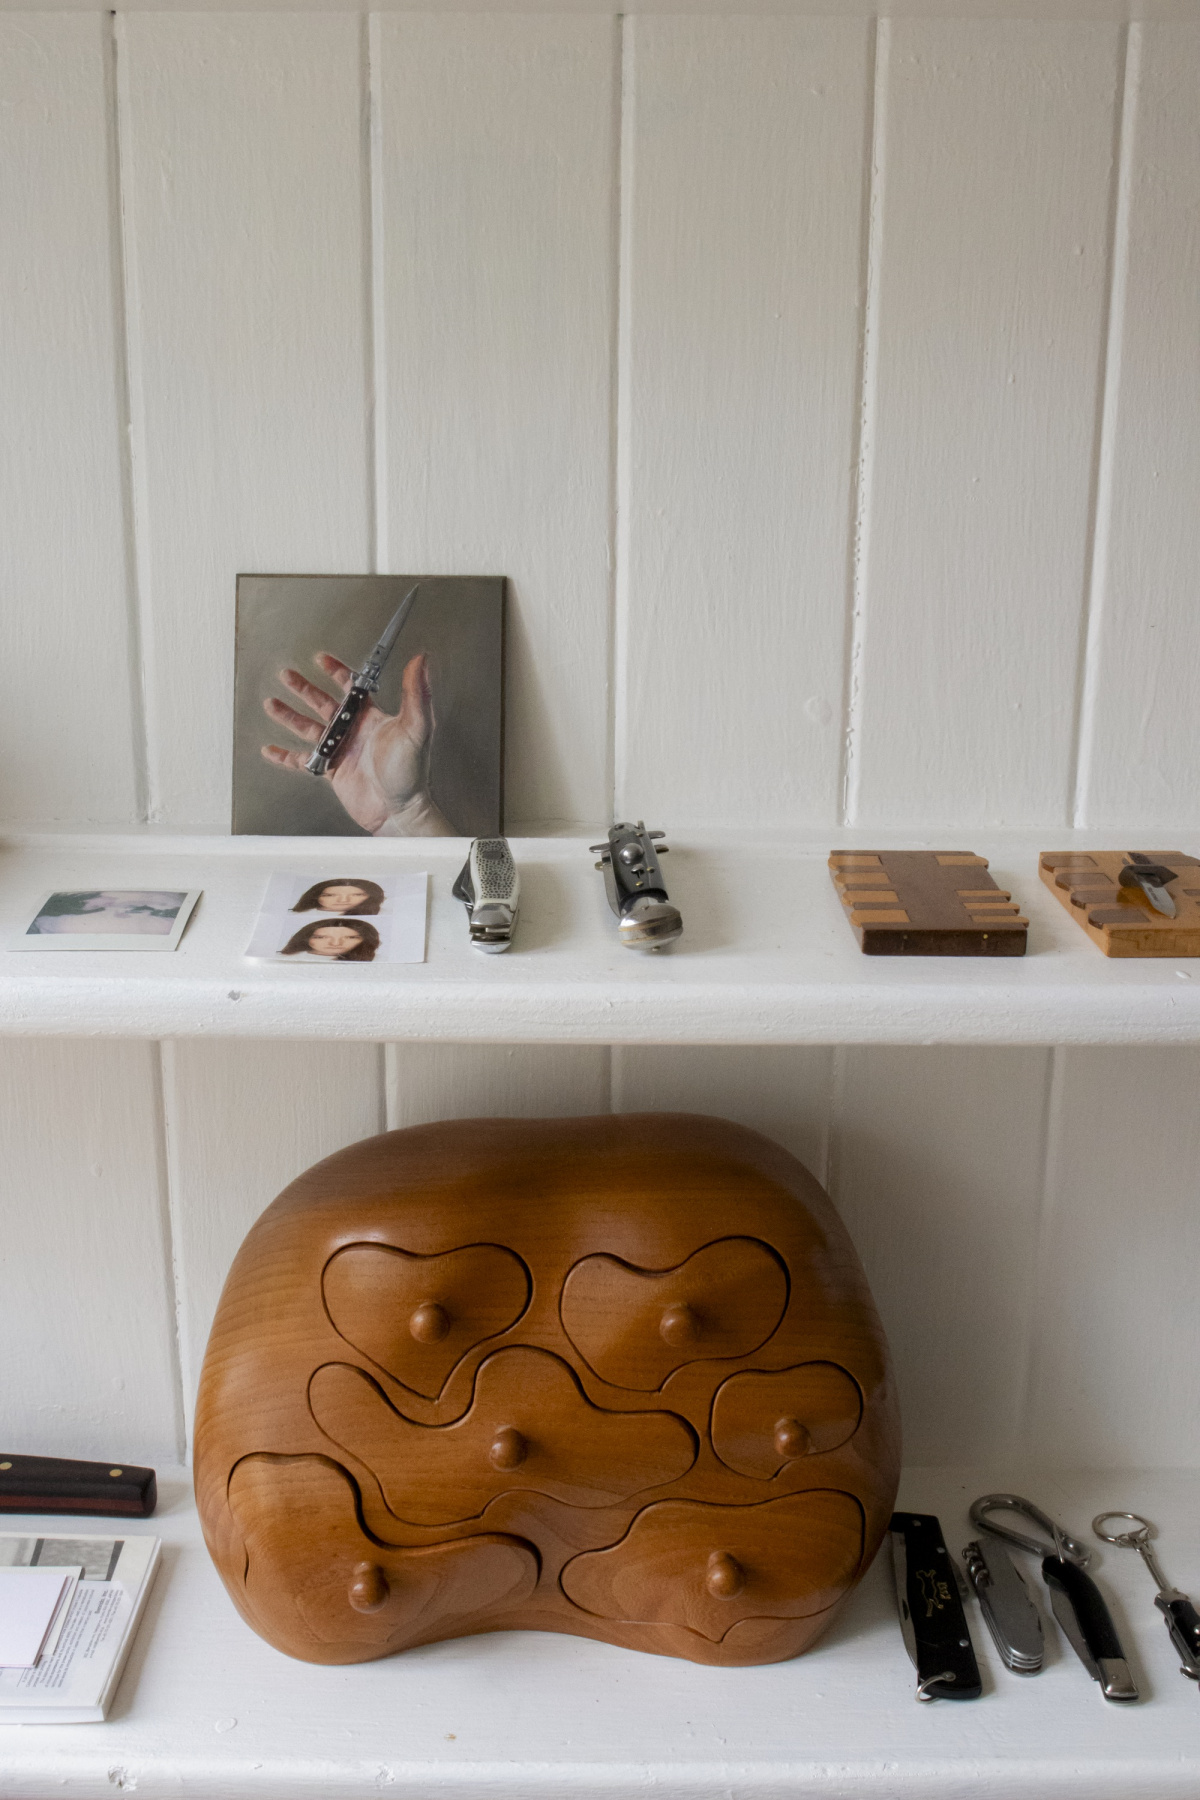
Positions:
{"x": 926, "y": 903}
{"x": 620, "y": 1377}
{"x": 1117, "y": 914}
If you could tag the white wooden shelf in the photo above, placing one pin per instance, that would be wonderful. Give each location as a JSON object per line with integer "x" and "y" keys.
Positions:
{"x": 207, "y": 1709}
{"x": 767, "y": 957}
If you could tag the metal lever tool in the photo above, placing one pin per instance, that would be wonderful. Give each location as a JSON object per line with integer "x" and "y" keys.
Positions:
{"x": 490, "y": 888}
{"x": 1152, "y": 878}
{"x": 364, "y": 684}
{"x": 1076, "y": 1601}
{"x": 1007, "y": 1607}
{"x": 635, "y": 888}
{"x": 1183, "y": 1621}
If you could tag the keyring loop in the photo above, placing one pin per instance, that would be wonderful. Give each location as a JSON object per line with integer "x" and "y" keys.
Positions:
{"x": 1128, "y": 1540}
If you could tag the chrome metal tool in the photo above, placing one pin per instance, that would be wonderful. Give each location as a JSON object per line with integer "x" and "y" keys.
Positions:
{"x": 1152, "y": 878}
{"x": 1007, "y": 1606}
{"x": 635, "y": 887}
{"x": 363, "y": 685}
{"x": 1183, "y": 1621}
{"x": 490, "y": 888}
{"x": 1076, "y": 1601}
{"x": 932, "y": 1621}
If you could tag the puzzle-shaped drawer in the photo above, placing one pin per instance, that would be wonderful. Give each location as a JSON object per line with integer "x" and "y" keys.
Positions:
{"x": 634, "y": 1327}
{"x": 529, "y": 1426}
{"x": 417, "y": 1316}
{"x": 709, "y": 1567}
{"x": 354, "y": 1598}
{"x": 761, "y": 1422}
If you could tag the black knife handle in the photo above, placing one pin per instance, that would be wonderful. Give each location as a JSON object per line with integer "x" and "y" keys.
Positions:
{"x": 1096, "y": 1628}
{"x": 338, "y": 728}
{"x": 1183, "y": 1622}
{"x": 37, "y": 1484}
{"x": 931, "y": 1612}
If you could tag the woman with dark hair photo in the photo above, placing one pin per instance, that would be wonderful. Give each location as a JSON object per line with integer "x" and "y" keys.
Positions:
{"x": 344, "y": 894}
{"x": 338, "y": 940}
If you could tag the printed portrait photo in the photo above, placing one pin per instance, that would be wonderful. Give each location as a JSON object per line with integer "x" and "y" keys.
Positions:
{"x": 369, "y": 706}
{"x": 342, "y": 918}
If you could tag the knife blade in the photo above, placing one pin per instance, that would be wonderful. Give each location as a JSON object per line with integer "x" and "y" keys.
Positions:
{"x": 37, "y": 1484}
{"x": 1080, "y": 1609}
{"x": 1143, "y": 872}
{"x": 932, "y": 1621}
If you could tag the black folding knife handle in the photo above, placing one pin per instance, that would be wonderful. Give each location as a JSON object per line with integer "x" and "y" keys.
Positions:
{"x": 338, "y": 728}
{"x": 931, "y": 1612}
{"x": 1096, "y": 1628}
{"x": 37, "y": 1484}
{"x": 1183, "y": 1622}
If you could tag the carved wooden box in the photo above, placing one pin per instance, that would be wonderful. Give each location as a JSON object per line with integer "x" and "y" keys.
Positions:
{"x": 616, "y": 1376}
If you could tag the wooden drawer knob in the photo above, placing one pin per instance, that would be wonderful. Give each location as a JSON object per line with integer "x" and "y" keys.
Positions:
{"x": 369, "y": 1589}
{"x": 508, "y": 1450}
{"x": 679, "y": 1326}
{"x": 791, "y": 1439}
{"x": 725, "y": 1576}
{"x": 429, "y": 1323}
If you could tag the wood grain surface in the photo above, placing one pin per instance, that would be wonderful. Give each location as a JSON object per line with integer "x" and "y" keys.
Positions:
{"x": 336, "y": 1499}
{"x": 1120, "y": 919}
{"x": 926, "y": 903}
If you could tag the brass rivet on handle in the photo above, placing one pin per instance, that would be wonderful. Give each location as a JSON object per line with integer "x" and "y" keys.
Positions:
{"x": 5, "y": 1465}
{"x": 116, "y": 1471}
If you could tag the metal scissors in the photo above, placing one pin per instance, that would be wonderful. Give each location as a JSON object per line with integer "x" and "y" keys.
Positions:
{"x": 1183, "y": 1621}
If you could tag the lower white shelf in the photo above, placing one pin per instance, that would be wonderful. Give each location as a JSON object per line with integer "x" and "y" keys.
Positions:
{"x": 767, "y": 956}
{"x": 207, "y": 1710}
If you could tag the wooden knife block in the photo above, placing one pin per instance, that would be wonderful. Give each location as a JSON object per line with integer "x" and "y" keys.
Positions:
{"x": 618, "y": 1376}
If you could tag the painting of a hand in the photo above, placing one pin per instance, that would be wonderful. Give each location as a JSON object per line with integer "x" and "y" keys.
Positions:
{"x": 381, "y": 776}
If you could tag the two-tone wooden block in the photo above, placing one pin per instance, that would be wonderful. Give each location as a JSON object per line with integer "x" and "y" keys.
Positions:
{"x": 926, "y": 903}
{"x": 1119, "y": 919}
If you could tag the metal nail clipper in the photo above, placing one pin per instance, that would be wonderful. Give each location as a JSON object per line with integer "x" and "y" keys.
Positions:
{"x": 490, "y": 888}
{"x": 1183, "y": 1621}
{"x": 1077, "y": 1602}
{"x": 635, "y": 887}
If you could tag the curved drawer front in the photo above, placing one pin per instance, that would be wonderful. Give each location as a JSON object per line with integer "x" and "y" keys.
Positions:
{"x": 417, "y": 1316}
{"x": 709, "y": 1567}
{"x": 315, "y": 1575}
{"x": 761, "y": 1422}
{"x": 634, "y": 1327}
{"x": 529, "y": 1426}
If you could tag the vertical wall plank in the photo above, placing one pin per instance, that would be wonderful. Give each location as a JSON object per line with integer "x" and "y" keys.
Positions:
{"x": 243, "y": 183}
{"x": 88, "y": 1329}
{"x": 477, "y": 1081}
{"x": 244, "y": 1119}
{"x": 996, "y": 204}
{"x": 496, "y": 206}
{"x": 743, "y": 250}
{"x": 64, "y": 593}
{"x": 781, "y": 1092}
{"x": 1142, "y": 725}
{"x": 1113, "y": 1375}
{"x": 937, "y": 1171}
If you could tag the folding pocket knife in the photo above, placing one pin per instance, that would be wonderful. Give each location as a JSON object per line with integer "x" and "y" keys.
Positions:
{"x": 633, "y": 881}
{"x": 932, "y": 1620}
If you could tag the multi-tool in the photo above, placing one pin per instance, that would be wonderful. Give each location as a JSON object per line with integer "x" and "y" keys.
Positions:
{"x": 932, "y": 1620}
{"x": 1007, "y": 1606}
{"x": 364, "y": 684}
{"x": 490, "y": 888}
{"x": 1183, "y": 1621}
{"x": 1077, "y": 1602}
{"x": 1152, "y": 878}
{"x": 635, "y": 888}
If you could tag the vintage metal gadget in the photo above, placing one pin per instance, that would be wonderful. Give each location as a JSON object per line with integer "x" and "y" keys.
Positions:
{"x": 1183, "y": 1621}
{"x": 1007, "y": 1606}
{"x": 635, "y": 887}
{"x": 40, "y": 1484}
{"x": 932, "y": 1620}
{"x": 1152, "y": 878}
{"x": 1077, "y": 1602}
{"x": 490, "y": 888}
{"x": 364, "y": 684}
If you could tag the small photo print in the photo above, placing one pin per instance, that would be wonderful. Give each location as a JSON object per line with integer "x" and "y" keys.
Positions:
{"x": 342, "y": 919}
{"x": 110, "y": 919}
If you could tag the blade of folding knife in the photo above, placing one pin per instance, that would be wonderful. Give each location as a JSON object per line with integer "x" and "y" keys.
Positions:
{"x": 1159, "y": 898}
{"x": 932, "y": 1620}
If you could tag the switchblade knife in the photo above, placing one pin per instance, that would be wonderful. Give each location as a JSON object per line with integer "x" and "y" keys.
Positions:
{"x": 364, "y": 684}
{"x": 38, "y": 1484}
{"x": 932, "y": 1620}
{"x": 1151, "y": 877}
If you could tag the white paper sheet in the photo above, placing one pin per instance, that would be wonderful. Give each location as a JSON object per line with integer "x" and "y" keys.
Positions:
{"x": 31, "y": 1605}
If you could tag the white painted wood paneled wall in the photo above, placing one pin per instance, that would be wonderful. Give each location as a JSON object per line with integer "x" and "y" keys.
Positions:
{"x": 828, "y": 390}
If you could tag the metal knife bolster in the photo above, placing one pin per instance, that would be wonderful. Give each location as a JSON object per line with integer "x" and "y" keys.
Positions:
{"x": 1080, "y": 1609}
{"x": 932, "y": 1621}
{"x": 38, "y": 1484}
{"x": 1007, "y": 1607}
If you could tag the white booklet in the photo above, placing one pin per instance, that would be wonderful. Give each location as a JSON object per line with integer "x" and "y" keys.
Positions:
{"x": 75, "y": 1679}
